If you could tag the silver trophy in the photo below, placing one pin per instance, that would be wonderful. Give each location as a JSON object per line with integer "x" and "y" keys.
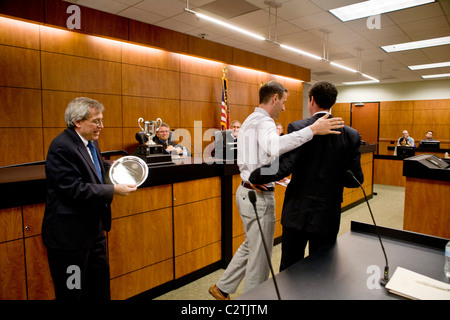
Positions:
{"x": 150, "y": 128}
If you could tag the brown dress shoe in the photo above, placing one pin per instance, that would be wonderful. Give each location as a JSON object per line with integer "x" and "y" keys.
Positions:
{"x": 215, "y": 292}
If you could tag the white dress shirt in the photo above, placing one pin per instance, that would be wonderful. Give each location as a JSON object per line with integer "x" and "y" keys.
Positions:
{"x": 259, "y": 144}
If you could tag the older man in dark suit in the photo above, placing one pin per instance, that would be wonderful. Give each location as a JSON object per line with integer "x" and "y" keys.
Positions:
{"x": 312, "y": 204}
{"x": 78, "y": 209}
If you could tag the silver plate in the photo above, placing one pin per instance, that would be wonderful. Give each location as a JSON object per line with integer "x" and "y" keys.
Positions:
{"x": 128, "y": 170}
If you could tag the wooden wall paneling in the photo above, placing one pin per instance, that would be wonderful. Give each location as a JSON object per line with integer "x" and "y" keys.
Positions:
{"x": 30, "y": 10}
{"x": 200, "y": 88}
{"x": 202, "y": 67}
{"x": 365, "y": 121}
{"x": 92, "y": 21}
{"x": 110, "y": 139}
{"x": 19, "y": 67}
{"x": 145, "y": 56}
{"x": 150, "y": 109}
{"x": 206, "y": 113}
{"x": 131, "y": 284}
{"x": 54, "y": 104}
{"x": 140, "y": 240}
{"x": 158, "y": 37}
{"x": 389, "y": 172}
{"x": 20, "y": 107}
{"x": 39, "y": 281}
{"x": 196, "y": 190}
{"x": 190, "y": 218}
{"x": 209, "y": 49}
{"x": 10, "y": 224}
{"x": 427, "y": 206}
{"x": 80, "y": 45}
{"x": 12, "y": 271}
{"x": 150, "y": 82}
{"x": 69, "y": 73}
{"x": 19, "y": 34}
{"x": 32, "y": 219}
{"x": 249, "y": 59}
{"x": 143, "y": 200}
{"x": 241, "y": 93}
{"x": 23, "y": 145}
{"x": 197, "y": 259}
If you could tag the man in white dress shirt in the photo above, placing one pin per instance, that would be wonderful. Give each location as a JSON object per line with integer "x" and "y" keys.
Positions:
{"x": 258, "y": 145}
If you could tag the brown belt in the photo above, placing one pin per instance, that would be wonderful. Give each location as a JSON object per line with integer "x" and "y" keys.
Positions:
{"x": 249, "y": 186}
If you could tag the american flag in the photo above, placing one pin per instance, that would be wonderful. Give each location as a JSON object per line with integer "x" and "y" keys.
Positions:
{"x": 225, "y": 115}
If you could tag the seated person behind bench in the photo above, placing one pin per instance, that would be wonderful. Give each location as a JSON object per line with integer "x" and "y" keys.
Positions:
{"x": 162, "y": 137}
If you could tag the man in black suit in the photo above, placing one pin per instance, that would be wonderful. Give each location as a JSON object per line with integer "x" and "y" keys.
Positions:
{"x": 312, "y": 203}
{"x": 78, "y": 209}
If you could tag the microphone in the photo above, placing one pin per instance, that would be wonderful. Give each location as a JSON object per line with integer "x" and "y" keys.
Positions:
{"x": 252, "y": 198}
{"x": 385, "y": 278}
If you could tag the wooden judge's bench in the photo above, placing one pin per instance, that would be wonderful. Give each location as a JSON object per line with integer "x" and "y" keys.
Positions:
{"x": 181, "y": 224}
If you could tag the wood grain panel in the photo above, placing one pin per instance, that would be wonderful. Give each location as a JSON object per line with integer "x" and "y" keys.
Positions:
{"x": 39, "y": 280}
{"x": 12, "y": 271}
{"x": 150, "y": 82}
{"x": 10, "y": 224}
{"x": 150, "y": 109}
{"x": 23, "y": 145}
{"x": 150, "y": 57}
{"x": 250, "y": 59}
{"x": 243, "y": 93}
{"x": 200, "y": 88}
{"x": 206, "y": 112}
{"x": 143, "y": 200}
{"x": 140, "y": 240}
{"x": 158, "y": 37}
{"x": 20, "y": 107}
{"x": 19, "y": 67}
{"x": 68, "y": 73}
{"x": 19, "y": 34}
{"x": 196, "y": 190}
{"x": 197, "y": 259}
{"x": 54, "y": 104}
{"x": 141, "y": 280}
{"x": 202, "y": 67}
{"x": 389, "y": 172}
{"x": 209, "y": 49}
{"x": 76, "y": 44}
{"x": 190, "y": 219}
{"x": 32, "y": 219}
{"x": 24, "y": 9}
{"x": 427, "y": 206}
{"x": 397, "y": 105}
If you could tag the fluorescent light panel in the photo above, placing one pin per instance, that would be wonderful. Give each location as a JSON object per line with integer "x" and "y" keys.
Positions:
{"x": 417, "y": 44}
{"x": 431, "y": 76}
{"x": 361, "y": 82}
{"x": 300, "y": 52}
{"x": 430, "y": 65}
{"x": 374, "y": 7}
{"x": 226, "y": 25}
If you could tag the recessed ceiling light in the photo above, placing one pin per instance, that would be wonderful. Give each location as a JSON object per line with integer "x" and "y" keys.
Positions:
{"x": 417, "y": 44}
{"x": 431, "y": 76}
{"x": 430, "y": 65}
{"x": 374, "y": 7}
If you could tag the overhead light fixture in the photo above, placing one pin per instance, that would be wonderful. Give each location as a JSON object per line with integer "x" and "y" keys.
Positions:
{"x": 374, "y": 7}
{"x": 225, "y": 24}
{"x": 431, "y": 76}
{"x": 417, "y": 44}
{"x": 342, "y": 67}
{"x": 300, "y": 51}
{"x": 430, "y": 65}
{"x": 361, "y": 82}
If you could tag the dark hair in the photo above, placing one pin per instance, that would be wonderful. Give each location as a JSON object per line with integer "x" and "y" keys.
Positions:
{"x": 269, "y": 89}
{"x": 324, "y": 94}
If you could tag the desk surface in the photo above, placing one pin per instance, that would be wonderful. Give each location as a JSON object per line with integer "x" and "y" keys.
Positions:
{"x": 346, "y": 271}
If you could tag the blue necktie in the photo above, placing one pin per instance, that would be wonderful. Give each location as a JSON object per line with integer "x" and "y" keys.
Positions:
{"x": 95, "y": 158}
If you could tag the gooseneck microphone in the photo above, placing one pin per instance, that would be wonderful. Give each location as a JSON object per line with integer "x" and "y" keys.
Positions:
{"x": 252, "y": 198}
{"x": 385, "y": 279}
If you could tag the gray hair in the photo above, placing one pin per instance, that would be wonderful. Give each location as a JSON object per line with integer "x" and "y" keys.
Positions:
{"x": 80, "y": 109}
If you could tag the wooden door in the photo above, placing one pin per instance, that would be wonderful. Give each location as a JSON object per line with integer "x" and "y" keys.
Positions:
{"x": 365, "y": 119}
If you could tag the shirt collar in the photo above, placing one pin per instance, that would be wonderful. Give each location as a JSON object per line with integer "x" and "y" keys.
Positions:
{"x": 261, "y": 110}
{"x": 85, "y": 142}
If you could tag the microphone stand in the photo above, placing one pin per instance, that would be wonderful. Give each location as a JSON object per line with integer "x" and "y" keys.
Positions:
{"x": 385, "y": 279}
{"x": 252, "y": 197}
